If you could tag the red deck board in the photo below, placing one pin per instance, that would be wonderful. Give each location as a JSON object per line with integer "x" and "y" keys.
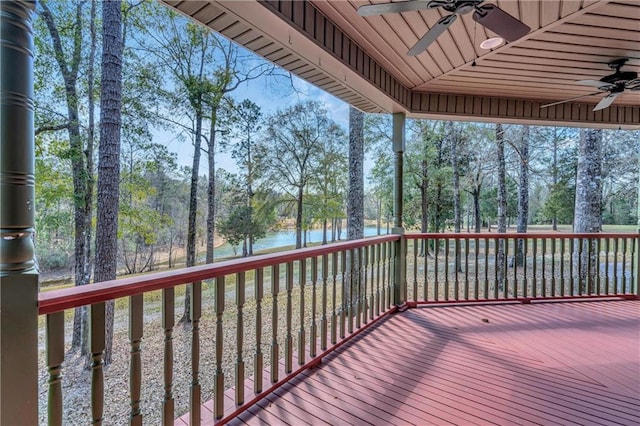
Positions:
{"x": 552, "y": 363}
{"x": 461, "y": 384}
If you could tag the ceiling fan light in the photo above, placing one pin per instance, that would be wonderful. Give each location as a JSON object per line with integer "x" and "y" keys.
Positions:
{"x": 491, "y": 43}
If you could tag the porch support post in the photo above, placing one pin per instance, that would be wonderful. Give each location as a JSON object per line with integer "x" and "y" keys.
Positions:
{"x": 18, "y": 275}
{"x": 400, "y": 273}
{"x": 636, "y": 279}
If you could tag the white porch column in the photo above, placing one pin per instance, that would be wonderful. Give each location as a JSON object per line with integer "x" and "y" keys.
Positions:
{"x": 398, "y": 136}
{"x": 18, "y": 276}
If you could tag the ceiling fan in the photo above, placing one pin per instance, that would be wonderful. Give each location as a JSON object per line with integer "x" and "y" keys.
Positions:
{"x": 489, "y": 15}
{"x": 614, "y": 84}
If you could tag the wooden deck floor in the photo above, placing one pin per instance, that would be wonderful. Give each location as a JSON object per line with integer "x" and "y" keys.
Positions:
{"x": 552, "y": 363}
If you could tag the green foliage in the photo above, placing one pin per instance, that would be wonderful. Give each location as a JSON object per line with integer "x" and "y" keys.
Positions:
{"x": 238, "y": 225}
{"x": 559, "y": 204}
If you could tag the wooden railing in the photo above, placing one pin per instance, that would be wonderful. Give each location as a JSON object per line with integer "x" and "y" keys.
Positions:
{"x": 312, "y": 300}
{"x": 271, "y": 317}
{"x": 445, "y": 268}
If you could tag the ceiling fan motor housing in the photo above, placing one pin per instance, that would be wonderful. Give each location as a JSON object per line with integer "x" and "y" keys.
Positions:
{"x": 620, "y": 77}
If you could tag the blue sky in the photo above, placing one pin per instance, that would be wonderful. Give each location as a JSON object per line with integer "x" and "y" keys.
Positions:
{"x": 270, "y": 98}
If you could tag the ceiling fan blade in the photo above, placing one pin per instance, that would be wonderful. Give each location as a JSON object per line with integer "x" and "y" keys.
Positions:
{"x": 569, "y": 100}
{"x": 596, "y": 83}
{"x": 606, "y": 101}
{"x": 633, "y": 84}
{"x": 431, "y": 35}
{"x": 500, "y": 22}
{"x": 383, "y": 8}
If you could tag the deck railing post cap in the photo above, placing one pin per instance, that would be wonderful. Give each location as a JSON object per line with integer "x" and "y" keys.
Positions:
{"x": 397, "y": 230}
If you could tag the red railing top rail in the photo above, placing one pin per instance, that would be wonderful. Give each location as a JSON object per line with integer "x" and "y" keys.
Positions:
{"x": 530, "y": 235}
{"x": 73, "y": 297}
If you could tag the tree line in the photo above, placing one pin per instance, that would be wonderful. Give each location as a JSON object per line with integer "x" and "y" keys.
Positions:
{"x": 292, "y": 165}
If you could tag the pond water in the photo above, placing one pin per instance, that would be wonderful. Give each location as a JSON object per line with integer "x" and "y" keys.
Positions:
{"x": 287, "y": 238}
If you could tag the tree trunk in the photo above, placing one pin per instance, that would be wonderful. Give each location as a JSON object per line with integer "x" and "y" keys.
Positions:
{"x": 211, "y": 192}
{"x": 476, "y": 209}
{"x": 299, "y": 216}
{"x": 378, "y": 216}
{"x": 193, "y": 210}
{"x": 109, "y": 156}
{"x": 355, "y": 198}
{"x": 523, "y": 194}
{"x": 355, "y": 203}
{"x": 333, "y": 229}
{"x": 502, "y": 202}
{"x": 588, "y": 200}
{"x": 453, "y": 139}
{"x": 324, "y": 231}
{"x": 80, "y": 175}
{"x": 424, "y": 205}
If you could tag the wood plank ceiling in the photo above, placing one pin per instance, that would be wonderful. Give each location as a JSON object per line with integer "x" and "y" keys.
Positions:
{"x": 363, "y": 60}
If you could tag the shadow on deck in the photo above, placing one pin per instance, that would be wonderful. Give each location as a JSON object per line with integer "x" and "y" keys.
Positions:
{"x": 547, "y": 363}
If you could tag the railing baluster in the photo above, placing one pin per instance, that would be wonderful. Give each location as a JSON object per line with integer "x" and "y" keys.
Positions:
{"x": 616, "y": 288}
{"x": 97, "y": 314}
{"x": 302, "y": 265}
{"x": 505, "y": 268}
{"x": 635, "y": 247}
{"x": 476, "y": 285}
{"x": 424, "y": 244}
{"x": 365, "y": 270}
{"x": 240, "y": 299}
{"x": 196, "y": 391}
{"x": 572, "y": 249}
{"x": 389, "y": 264}
{"x": 351, "y": 279}
{"x": 313, "y": 338}
{"x": 486, "y": 268}
{"x": 544, "y": 269}
{"x": 359, "y": 273}
{"x": 288, "y": 341}
{"x": 136, "y": 313}
{"x": 553, "y": 267}
{"x": 525, "y": 280}
{"x": 378, "y": 277}
{"x": 55, "y": 358}
{"x": 275, "y": 289}
{"x": 634, "y": 273}
{"x": 596, "y": 243}
{"x": 323, "y": 319}
{"x": 466, "y": 269}
{"x": 456, "y": 268}
{"x": 534, "y": 278}
{"x": 436, "y": 267}
{"x": 334, "y": 297}
{"x": 168, "y": 321}
{"x": 343, "y": 293}
{"x": 383, "y": 292}
{"x": 588, "y": 267}
{"x": 606, "y": 266}
{"x": 218, "y": 390}
{"x": 562, "y": 260}
{"x": 446, "y": 269}
{"x": 415, "y": 270}
{"x": 496, "y": 245}
{"x": 581, "y": 274}
{"x": 624, "y": 267}
{"x": 372, "y": 269}
{"x": 258, "y": 358}
{"x": 515, "y": 265}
